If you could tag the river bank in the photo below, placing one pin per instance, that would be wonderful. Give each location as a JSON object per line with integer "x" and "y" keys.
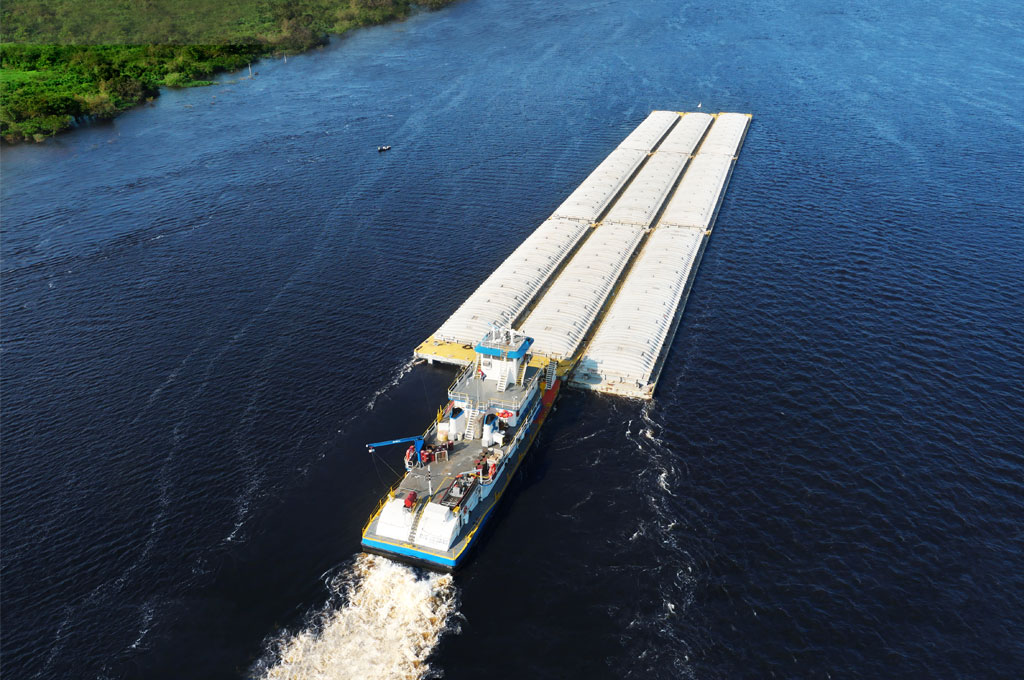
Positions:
{"x": 85, "y": 62}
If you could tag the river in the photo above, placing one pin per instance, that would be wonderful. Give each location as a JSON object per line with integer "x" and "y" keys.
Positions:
{"x": 209, "y": 306}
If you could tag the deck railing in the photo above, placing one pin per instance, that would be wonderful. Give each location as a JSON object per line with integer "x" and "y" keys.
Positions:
{"x": 388, "y": 496}
{"x": 512, "y": 403}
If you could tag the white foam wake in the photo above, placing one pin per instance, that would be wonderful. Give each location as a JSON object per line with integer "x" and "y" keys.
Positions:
{"x": 389, "y": 621}
{"x": 396, "y": 378}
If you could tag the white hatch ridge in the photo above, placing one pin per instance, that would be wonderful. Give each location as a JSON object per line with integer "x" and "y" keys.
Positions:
{"x": 563, "y": 316}
{"x": 685, "y": 136}
{"x": 645, "y": 195}
{"x": 650, "y": 132}
{"x": 698, "y": 195}
{"x": 624, "y": 352}
{"x": 506, "y": 292}
{"x": 726, "y": 134}
{"x": 591, "y": 197}
{"x": 597, "y": 191}
{"x": 629, "y": 347}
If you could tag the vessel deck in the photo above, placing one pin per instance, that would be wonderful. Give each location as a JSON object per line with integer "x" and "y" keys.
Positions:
{"x": 431, "y": 483}
{"x": 428, "y": 481}
{"x": 468, "y": 388}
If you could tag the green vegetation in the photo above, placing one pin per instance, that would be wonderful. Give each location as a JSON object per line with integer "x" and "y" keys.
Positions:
{"x": 63, "y": 61}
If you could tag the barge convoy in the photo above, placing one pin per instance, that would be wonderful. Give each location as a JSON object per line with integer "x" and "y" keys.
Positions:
{"x": 591, "y": 300}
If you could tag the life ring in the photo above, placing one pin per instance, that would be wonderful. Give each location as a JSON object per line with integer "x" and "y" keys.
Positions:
{"x": 504, "y": 414}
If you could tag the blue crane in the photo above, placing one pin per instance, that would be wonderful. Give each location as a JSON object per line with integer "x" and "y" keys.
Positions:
{"x": 418, "y": 441}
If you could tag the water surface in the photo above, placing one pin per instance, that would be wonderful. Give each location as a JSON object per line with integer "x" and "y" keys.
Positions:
{"x": 209, "y": 306}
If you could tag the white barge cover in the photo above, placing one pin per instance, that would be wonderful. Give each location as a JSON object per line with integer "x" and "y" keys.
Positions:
{"x": 726, "y": 134}
{"x": 563, "y": 316}
{"x": 622, "y": 356}
{"x": 645, "y": 195}
{"x": 506, "y": 292}
{"x": 510, "y": 289}
{"x": 648, "y": 133}
{"x": 628, "y": 349}
{"x": 685, "y": 136}
{"x": 591, "y": 197}
{"x": 697, "y": 197}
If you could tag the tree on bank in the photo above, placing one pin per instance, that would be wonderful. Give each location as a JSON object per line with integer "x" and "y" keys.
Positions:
{"x": 67, "y": 61}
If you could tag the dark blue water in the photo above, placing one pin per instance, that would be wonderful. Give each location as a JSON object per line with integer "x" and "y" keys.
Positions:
{"x": 208, "y": 307}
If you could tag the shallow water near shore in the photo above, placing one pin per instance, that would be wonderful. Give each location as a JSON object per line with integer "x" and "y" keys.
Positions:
{"x": 209, "y": 306}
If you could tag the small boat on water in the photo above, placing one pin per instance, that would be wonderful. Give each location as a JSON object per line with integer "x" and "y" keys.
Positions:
{"x": 382, "y": 149}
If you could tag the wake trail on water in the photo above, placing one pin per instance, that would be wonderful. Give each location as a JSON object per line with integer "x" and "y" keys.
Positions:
{"x": 396, "y": 378}
{"x": 382, "y": 622}
{"x": 655, "y": 631}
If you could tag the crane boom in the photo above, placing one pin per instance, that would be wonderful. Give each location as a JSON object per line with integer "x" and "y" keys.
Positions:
{"x": 417, "y": 441}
